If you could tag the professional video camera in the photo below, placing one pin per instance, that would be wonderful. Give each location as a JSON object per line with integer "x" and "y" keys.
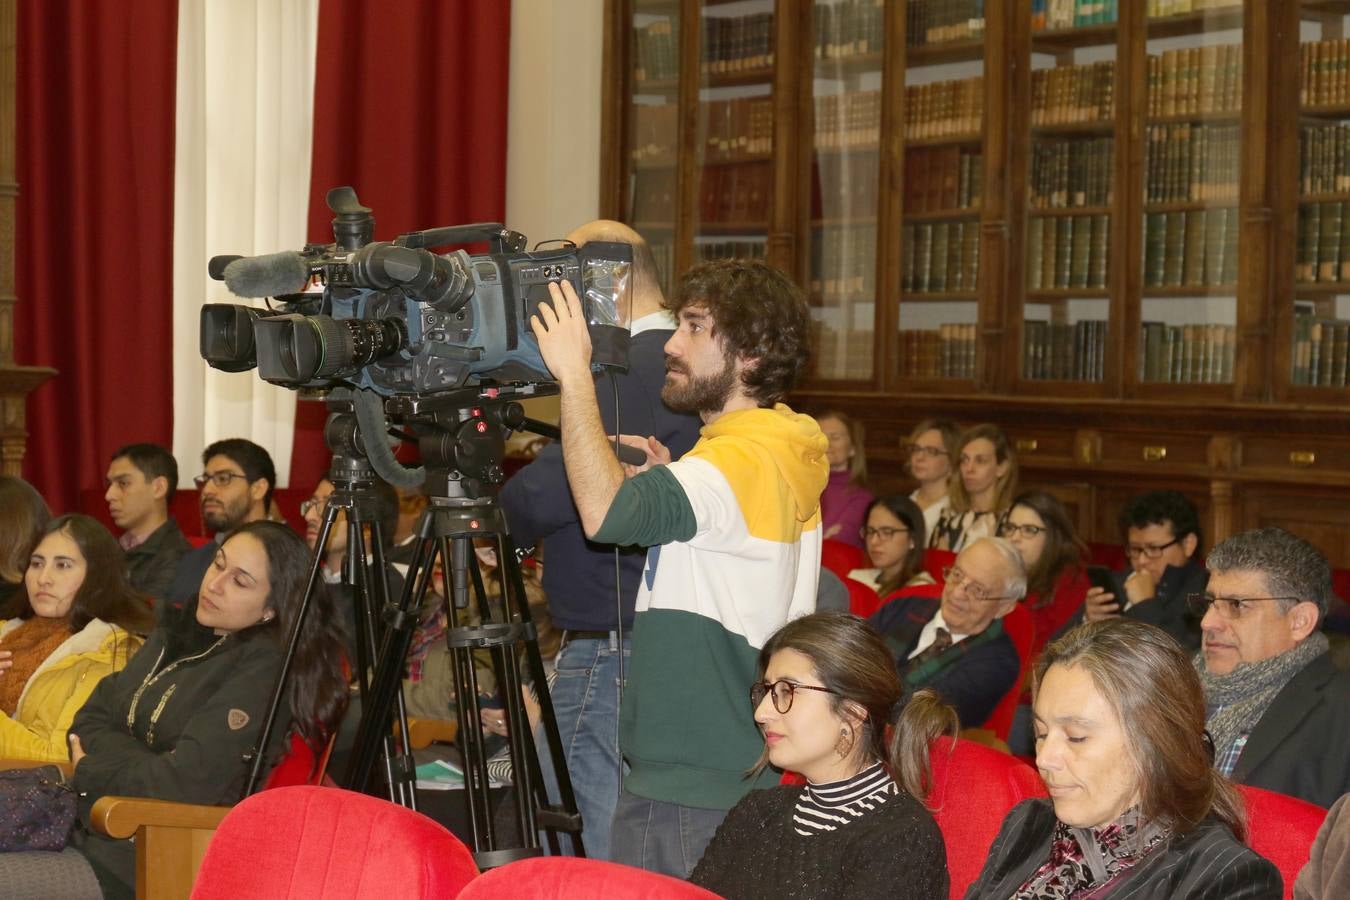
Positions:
{"x": 392, "y": 317}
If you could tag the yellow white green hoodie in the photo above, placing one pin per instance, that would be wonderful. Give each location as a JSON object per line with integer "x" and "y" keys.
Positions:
{"x": 734, "y": 532}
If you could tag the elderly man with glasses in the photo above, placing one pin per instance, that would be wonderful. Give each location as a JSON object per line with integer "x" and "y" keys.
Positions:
{"x": 1279, "y": 710}
{"x": 956, "y": 644}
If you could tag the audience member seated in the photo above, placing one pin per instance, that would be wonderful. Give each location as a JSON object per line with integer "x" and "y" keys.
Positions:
{"x": 1327, "y": 874}
{"x": 981, "y": 490}
{"x": 1279, "y": 710}
{"x": 23, "y": 516}
{"x": 180, "y": 721}
{"x": 894, "y": 536}
{"x": 929, "y": 452}
{"x": 825, "y": 699}
{"x": 1162, "y": 541}
{"x": 236, "y": 487}
{"x": 956, "y": 644}
{"x": 75, "y": 620}
{"x": 843, "y": 503}
{"x": 142, "y": 479}
{"x": 1135, "y": 808}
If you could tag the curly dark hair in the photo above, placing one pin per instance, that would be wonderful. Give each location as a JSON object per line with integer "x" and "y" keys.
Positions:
{"x": 758, "y": 314}
{"x": 1162, "y": 508}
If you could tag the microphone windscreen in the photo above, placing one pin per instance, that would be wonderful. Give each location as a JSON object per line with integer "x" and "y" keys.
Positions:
{"x": 216, "y": 267}
{"x": 267, "y": 276}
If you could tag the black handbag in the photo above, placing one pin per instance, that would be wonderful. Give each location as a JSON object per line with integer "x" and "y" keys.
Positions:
{"x": 37, "y": 809}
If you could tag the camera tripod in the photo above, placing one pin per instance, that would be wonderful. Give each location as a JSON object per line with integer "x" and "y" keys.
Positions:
{"x": 462, "y": 455}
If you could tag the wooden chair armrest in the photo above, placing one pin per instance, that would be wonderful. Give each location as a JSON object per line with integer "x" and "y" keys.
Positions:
{"x": 65, "y": 767}
{"x": 423, "y": 732}
{"x": 121, "y": 817}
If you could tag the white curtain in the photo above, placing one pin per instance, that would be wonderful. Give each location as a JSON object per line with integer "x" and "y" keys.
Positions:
{"x": 241, "y": 185}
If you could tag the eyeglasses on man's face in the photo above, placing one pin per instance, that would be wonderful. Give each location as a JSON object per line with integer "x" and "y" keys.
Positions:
{"x": 974, "y": 590}
{"x": 1009, "y": 529}
{"x": 1149, "y": 551}
{"x": 782, "y": 692}
{"x": 1229, "y": 607}
{"x": 921, "y": 450}
{"x": 220, "y": 479}
{"x": 318, "y": 504}
{"x": 884, "y": 532}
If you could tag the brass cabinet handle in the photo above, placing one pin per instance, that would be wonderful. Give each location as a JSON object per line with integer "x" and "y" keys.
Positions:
{"x": 1025, "y": 445}
{"x": 1302, "y": 457}
{"x": 1155, "y": 453}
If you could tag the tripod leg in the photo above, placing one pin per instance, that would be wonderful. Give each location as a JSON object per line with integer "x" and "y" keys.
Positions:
{"x": 456, "y": 552}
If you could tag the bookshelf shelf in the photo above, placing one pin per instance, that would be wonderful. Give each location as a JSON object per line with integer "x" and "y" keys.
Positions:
{"x": 943, "y": 215}
{"x": 1191, "y": 290}
{"x": 653, "y": 166}
{"x": 1060, "y": 40}
{"x": 844, "y": 222}
{"x": 1050, "y": 212}
{"x": 937, "y": 296}
{"x": 946, "y": 141}
{"x": 724, "y": 228}
{"x": 1325, "y": 110}
{"x": 1189, "y": 205}
{"x": 1317, "y": 8}
{"x": 857, "y": 150}
{"x": 1068, "y": 294}
{"x": 1196, "y": 23}
{"x": 1321, "y": 287}
{"x": 1106, "y": 126}
{"x": 946, "y": 52}
{"x": 1324, "y": 198}
{"x": 736, "y": 79}
{"x": 1224, "y": 116}
{"x": 736, "y": 160}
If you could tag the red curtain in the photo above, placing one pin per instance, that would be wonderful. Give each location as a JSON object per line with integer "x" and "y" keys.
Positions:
{"x": 410, "y": 109}
{"x": 95, "y": 232}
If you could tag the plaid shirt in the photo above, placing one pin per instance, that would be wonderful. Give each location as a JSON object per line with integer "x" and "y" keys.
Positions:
{"x": 1227, "y": 758}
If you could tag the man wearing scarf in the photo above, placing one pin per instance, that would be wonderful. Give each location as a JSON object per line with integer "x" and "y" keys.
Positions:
{"x": 1278, "y": 709}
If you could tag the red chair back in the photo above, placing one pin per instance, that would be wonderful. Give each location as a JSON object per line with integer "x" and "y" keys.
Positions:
{"x": 1022, "y": 629}
{"x": 974, "y": 787}
{"x": 841, "y": 558}
{"x": 300, "y": 842}
{"x": 934, "y": 561}
{"x": 1282, "y": 829}
{"x": 568, "y": 877}
{"x": 862, "y": 600}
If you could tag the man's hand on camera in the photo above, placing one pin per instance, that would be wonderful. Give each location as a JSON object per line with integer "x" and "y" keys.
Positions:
{"x": 564, "y": 341}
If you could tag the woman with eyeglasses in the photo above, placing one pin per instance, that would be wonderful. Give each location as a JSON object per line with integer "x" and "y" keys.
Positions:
{"x": 844, "y": 501}
{"x": 981, "y": 490}
{"x": 929, "y": 452}
{"x": 1136, "y": 808}
{"x": 894, "y": 538}
{"x": 826, "y": 697}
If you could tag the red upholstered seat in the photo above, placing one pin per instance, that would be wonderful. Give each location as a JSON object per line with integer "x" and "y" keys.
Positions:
{"x": 934, "y": 561}
{"x": 1022, "y": 630}
{"x": 1282, "y": 829}
{"x": 841, "y": 558}
{"x": 301, "y": 842}
{"x": 974, "y": 787}
{"x": 568, "y": 878}
{"x": 862, "y": 600}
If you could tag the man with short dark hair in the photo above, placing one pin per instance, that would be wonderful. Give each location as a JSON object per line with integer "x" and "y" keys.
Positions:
{"x": 236, "y": 486}
{"x": 1162, "y": 541}
{"x": 733, "y": 531}
{"x": 142, "y": 479}
{"x": 1279, "y": 710}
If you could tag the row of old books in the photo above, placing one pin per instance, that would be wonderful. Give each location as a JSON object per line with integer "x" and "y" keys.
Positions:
{"x": 844, "y": 262}
{"x": 1188, "y": 162}
{"x": 944, "y": 108}
{"x": 1071, "y": 172}
{"x": 1193, "y": 80}
{"x": 655, "y": 134}
{"x": 1067, "y": 252}
{"x": 844, "y": 186}
{"x": 847, "y": 121}
{"x": 736, "y": 43}
{"x": 943, "y": 21}
{"x": 1324, "y": 158}
{"x": 656, "y": 51}
{"x": 1056, "y": 14}
{"x": 1063, "y": 350}
{"x": 947, "y": 352}
{"x": 1321, "y": 348}
{"x": 939, "y": 257}
{"x": 1322, "y": 253}
{"x": 736, "y": 194}
{"x": 943, "y": 178}
{"x": 848, "y": 28}
{"x": 1187, "y": 354}
{"x": 841, "y": 353}
{"x": 737, "y": 128}
{"x": 1066, "y": 95}
{"x": 742, "y": 248}
{"x": 654, "y": 195}
{"x": 1158, "y": 9}
{"x": 1324, "y": 72}
{"x": 1194, "y": 248}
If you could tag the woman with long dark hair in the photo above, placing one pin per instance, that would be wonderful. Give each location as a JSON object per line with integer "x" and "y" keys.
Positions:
{"x": 74, "y": 620}
{"x": 826, "y": 696}
{"x": 1136, "y": 808}
{"x": 178, "y": 723}
{"x": 894, "y": 537}
{"x": 1039, "y": 527}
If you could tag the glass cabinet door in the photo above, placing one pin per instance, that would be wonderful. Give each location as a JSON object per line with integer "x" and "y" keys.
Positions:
{"x": 653, "y": 139}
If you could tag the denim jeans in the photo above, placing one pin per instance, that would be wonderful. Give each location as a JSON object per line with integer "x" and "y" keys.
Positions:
{"x": 586, "y": 704}
{"x": 662, "y": 837}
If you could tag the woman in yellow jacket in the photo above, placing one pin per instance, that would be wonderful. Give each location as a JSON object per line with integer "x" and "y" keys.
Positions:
{"x": 74, "y": 620}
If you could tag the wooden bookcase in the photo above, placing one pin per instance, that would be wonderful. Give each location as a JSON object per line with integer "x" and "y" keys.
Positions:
{"x": 1144, "y": 216}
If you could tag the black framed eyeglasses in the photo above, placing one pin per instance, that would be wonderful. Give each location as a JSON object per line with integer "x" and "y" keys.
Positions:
{"x": 1149, "y": 551}
{"x": 884, "y": 532}
{"x": 220, "y": 479}
{"x": 782, "y": 692}
{"x": 1008, "y": 529}
{"x": 1228, "y": 607}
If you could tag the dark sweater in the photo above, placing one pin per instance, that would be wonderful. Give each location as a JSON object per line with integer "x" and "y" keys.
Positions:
{"x": 153, "y": 563}
{"x": 895, "y": 851}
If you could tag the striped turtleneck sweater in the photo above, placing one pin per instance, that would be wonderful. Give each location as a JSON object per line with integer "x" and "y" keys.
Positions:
{"x": 826, "y": 807}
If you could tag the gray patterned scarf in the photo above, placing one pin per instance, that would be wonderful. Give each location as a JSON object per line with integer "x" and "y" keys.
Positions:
{"x": 1243, "y": 695}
